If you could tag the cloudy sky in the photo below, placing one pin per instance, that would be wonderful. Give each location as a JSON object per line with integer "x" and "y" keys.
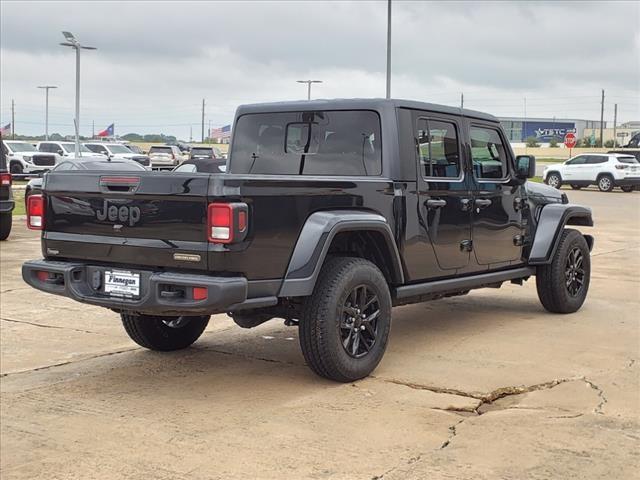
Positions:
{"x": 157, "y": 60}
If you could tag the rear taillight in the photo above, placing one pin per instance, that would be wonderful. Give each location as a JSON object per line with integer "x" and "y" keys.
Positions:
{"x": 227, "y": 222}
{"x": 620, "y": 166}
{"x": 5, "y": 179}
{"x": 35, "y": 212}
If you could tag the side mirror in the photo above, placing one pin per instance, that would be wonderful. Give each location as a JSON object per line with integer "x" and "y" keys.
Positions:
{"x": 525, "y": 166}
{"x": 60, "y": 152}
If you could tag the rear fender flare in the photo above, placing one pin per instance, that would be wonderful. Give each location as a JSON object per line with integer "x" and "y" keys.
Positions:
{"x": 314, "y": 242}
{"x": 553, "y": 219}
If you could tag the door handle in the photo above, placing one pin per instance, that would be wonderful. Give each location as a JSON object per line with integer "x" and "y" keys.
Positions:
{"x": 482, "y": 202}
{"x": 436, "y": 203}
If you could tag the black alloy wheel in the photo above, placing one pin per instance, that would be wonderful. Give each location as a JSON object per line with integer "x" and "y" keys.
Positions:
{"x": 359, "y": 322}
{"x": 574, "y": 272}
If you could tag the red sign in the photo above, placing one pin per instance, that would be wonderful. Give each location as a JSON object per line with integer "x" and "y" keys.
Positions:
{"x": 570, "y": 140}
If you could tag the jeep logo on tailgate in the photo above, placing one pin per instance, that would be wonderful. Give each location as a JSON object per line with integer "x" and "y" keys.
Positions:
{"x": 122, "y": 214}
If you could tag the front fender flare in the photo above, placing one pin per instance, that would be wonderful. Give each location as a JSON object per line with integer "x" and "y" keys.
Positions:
{"x": 553, "y": 218}
{"x": 314, "y": 241}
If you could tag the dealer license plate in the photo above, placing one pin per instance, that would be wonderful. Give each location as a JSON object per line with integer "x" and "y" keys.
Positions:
{"x": 121, "y": 283}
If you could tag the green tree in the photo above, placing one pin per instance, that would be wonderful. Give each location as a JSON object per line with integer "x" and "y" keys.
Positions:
{"x": 532, "y": 142}
{"x": 553, "y": 143}
{"x": 609, "y": 144}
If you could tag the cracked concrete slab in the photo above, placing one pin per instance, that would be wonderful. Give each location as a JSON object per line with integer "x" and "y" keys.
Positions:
{"x": 483, "y": 386}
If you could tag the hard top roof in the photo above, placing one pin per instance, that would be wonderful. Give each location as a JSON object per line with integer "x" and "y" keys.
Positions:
{"x": 360, "y": 104}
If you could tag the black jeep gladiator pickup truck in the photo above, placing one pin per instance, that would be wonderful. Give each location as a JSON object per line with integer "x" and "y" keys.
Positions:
{"x": 331, "y": 212}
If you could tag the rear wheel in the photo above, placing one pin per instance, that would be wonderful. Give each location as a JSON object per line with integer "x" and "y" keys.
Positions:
{"x": 345, "y": 323}
{"x": 627, "y": 189}
{"x": 563, "y": 284}
{"x": 605, "y": 183}
{"x": 5, "y": 225}
{"x": 164, "y": 333}
{"x": 554, "y": 180}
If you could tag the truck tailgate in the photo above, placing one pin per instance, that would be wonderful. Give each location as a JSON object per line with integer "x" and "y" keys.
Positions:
{"x": 146, "y": 218}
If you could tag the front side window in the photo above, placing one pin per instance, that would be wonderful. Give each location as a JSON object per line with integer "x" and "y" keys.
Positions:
{"x": 307, "y": 143}
{"x": 488, "y": 154}
{"x": 579, "y": 160}
{"x": 438, "y": 151}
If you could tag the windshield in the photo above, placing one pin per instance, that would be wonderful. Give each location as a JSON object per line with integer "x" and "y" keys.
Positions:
{"x": 308, "y": 143}
{"x": 628, "y": 159}
{"x": 21, "y": 147}
{"x": 71, "y": 148}
{"x": 119, "y": 149}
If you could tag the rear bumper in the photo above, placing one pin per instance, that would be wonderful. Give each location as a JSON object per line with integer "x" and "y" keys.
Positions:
{"x": 628, "y": 182}
{"x": 84, "y": 283}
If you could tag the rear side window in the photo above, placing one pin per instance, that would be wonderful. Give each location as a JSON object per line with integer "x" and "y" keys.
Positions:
{"x": 593, "y": 159}
{"x": 438, "y": 151}
{"x": 488, "y": 153}
{"x": 308, "y": 143}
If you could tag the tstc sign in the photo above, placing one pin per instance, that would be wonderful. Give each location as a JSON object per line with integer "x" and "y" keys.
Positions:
{"x": 545, "y": 131}
{"x": 570, "y": 140}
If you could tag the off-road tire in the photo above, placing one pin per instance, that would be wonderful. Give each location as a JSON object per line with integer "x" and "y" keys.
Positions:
{"x": 551, "y": 280}
{"x": 5, "y": 225}
{"x": 153, "y": 333}
{"x": 550, "y": 182}
{"x": 627, "y": 188}
{"x": 605, "y": 183}
{"x": 319, "y": 328}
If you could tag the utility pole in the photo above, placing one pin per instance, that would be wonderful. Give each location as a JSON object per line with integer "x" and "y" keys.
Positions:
{"x": 209, "y": 131}
{"x": 46, "y": 109}
{"x": 190, "y": 133}
{"x": 615, "y": 120}
{"x": 388, "y": 48}
{"x": 461, "y": 101}
{"x": 203, "y": 120}
{"x": 13, "y": 120}
{"x": 309, "y": 82}
{"x": 601, "y": 118}
{"x": 93, "y": 129}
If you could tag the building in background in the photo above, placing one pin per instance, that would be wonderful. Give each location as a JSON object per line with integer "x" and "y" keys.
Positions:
{"x": 518, "y": 129}
{"x": 221, "y": 134}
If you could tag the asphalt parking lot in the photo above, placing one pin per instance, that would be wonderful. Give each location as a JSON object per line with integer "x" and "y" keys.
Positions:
{"x": 483, "y": 386}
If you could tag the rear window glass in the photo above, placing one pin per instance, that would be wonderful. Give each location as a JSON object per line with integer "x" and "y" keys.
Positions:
{"x": 627, "y": 159}
{"x": 308, "y": 143}
{"x": 201, "y": 151}
{"x": 161, "y": 150}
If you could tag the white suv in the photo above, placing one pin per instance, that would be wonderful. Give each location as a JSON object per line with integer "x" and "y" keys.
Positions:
{"x": 606, "y": 170}
{"x": 117, "y": 151}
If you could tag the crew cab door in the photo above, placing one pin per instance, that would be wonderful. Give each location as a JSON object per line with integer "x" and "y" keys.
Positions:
{"x": 497, "y": 218}
{"x": 443, "y": 191}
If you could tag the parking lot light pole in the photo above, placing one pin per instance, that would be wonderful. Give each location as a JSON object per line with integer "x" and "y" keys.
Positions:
{"x": 46, "y": 109}
{"x": 75, "y": 44}
{"x": 309, "y": 82}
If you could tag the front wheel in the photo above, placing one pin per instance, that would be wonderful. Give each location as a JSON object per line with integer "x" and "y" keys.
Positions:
{"x": 16, "y": 169}
{"x": 164, "y": 333}
{"x": 563, "y": 284}
{"x": 605, "y": 183}
{"x": 345, "y": 323}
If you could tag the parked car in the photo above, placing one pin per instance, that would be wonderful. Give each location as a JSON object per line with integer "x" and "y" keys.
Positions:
{"x": 6, "y": 196}
{"x": 165, "y": 156}
{"x": 135, "y": 148}
{"x": 24, "y": 158}
{"x": 117, "y": 151}
{"x": 65, "y": 150}
{"x": 202, "y": 151}
{"x": 202, "y": 165}
{"x": 606, "y": 170}
{"x": 332, "y": 212}
{"x": 34, "y": 186}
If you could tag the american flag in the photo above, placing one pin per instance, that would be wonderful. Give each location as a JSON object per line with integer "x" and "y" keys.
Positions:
{"x": 6, "y": 130}
{"x": 220, "y": 132}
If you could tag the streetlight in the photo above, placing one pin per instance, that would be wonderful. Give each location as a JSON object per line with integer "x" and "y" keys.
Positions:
{"x": 309, "y": 82}
{"x": 46, "y": 109}
{"x": 75, "y": 44}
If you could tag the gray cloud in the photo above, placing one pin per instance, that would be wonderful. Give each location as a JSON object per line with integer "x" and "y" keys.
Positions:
{"x": 156, "y": 60}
